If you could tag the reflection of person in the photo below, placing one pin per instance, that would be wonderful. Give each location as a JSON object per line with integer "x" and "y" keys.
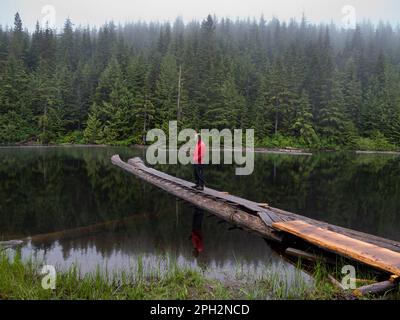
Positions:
{"x": 198, "y": 162}
{"x": 197, "y": 236}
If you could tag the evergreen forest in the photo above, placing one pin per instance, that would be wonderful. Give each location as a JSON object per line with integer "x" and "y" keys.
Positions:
{"x": 296, "y": 83}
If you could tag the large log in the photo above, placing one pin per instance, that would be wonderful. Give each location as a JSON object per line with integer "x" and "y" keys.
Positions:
{"x": 375, "y": 288}
{"x": 379, "y": 241}
{"x": 336, "y": 283}
{"x": 370, "y": 254}
{"x": 224, "y": 210}
{"x": 302, "y": 255}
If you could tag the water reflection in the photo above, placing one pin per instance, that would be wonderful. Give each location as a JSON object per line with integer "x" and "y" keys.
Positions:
{"x": 156, "y": 238}
{"x": 47, "y": 190}
{"x": 197, "y": 235}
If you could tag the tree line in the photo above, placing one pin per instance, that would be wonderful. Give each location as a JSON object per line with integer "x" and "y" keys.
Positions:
{"x": 295, "y": 83}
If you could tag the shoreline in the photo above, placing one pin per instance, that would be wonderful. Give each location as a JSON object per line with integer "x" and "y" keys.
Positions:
{"x": 22, "y": 280}
{"x": 27, "y": 146}
{"x": 285, "y": 151}
{"x": 289, "y": 151}
{"x": 361, "y": 152}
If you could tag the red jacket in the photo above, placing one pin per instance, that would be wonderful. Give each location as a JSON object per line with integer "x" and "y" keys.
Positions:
{"x": 199, "y": 151}
{"x": 197, "y": 241}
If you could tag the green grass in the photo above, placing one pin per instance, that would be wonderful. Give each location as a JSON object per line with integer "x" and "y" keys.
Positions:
{"x": 22, "y": 280}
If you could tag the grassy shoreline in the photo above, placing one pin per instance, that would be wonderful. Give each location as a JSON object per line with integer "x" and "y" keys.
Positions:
{"x": 286, "y": 149}
{"x": 22, "y": 280}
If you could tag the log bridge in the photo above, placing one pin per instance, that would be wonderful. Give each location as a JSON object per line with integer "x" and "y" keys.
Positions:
{"x": 281, "y": 227}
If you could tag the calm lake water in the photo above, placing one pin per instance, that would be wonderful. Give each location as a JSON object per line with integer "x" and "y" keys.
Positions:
{"x": 47, "y": 190}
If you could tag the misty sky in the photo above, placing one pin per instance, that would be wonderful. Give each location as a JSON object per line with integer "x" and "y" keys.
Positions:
{"x": 96, "y": 12}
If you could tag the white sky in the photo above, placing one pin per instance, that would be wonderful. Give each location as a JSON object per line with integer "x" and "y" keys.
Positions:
{"x": 96, "y": 12}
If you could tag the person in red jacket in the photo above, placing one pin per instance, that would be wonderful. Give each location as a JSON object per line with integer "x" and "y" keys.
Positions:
{"x": 198, "y": 163}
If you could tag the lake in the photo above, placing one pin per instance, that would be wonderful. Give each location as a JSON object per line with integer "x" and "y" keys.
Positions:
{"x": 47, "y": 190}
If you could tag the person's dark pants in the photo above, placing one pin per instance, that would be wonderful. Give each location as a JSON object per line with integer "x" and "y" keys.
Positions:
{"x": 197, "y": 222}
{"x": 198, "y": 175}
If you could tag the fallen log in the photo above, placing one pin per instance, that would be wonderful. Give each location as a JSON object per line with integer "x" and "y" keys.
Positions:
{"x": 302, "y": 254}
{"x": 375, "y": 288}
{"x": 224, "y": 210}
{"x": 365, "y": 281}
{"x": 336, "y": 283}
{"x": 367, "y": 253}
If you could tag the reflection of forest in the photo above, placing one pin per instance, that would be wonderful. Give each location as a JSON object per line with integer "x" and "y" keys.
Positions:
{"x": 162, "y": 235}
{"x": 48, "y": 189}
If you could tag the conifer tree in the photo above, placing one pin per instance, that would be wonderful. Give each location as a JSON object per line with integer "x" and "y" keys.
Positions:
{"x": 93, "y": 132}
{"x": 303, "y": 123}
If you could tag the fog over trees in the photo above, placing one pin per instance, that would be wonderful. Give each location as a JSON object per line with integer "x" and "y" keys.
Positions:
{"x": 295, "y": 83}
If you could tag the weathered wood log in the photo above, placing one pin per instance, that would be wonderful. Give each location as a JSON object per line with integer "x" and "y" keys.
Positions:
{"x": 244, "y": 204}
{"x": 302, "y": 254}
{"x": 370, "y": 254}
{"x": 375, "y": 288}
{"x": 336, "y": 283}
{"x": 379, "y": 241}
{"x": 394, "y": 278}
{"x": 365, "y": 281}
{"x": 224, "y": 210}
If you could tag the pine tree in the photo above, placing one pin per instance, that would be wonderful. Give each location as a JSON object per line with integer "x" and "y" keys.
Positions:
{"x": 228, "y": 107}
{"x": 353, "y": 94}
{"x": 65, "y": 89}
{"x": 208, "y": 67}
{"x": 278, "y": 98}
{"x": 67, "y": 46}
{"x": 93, "y": 132}
{"x": 18, "y": 40}
{"x": 166, "y": 94}
{"x": 375, "y": 112}
{"x": 14, "y": 103}
{"x": 116, "y": 105}
{"x": 144, "y": 116}
{"x": 333, "y": 125}
{"x": 51, "y": 125}
{"x": 303, "y": 123}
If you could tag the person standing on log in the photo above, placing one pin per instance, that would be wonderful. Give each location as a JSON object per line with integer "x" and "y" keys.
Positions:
{"x": 198, "y": 162}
